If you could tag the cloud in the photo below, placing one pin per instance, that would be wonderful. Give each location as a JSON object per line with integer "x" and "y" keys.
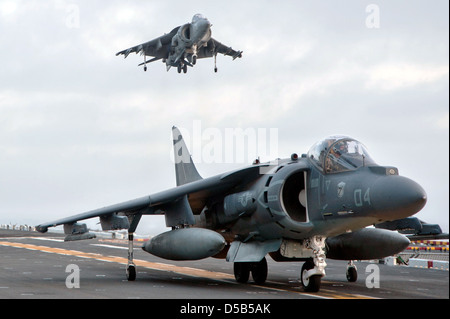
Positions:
{"x": 81, "y": 128}
{"x": 8, "y": 8}
{"x": 403, "y": 75}
{"x": 442, "y": 122}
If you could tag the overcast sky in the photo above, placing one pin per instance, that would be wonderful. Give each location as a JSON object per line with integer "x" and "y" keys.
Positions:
{"x": 81, "y": 128}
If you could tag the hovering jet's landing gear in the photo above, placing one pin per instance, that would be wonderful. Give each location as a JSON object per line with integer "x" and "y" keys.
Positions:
{"x": 145, "y": 63}
{"x": 182, "y": 67}
{"x": 215, "y": 63}
{"x": 314, "y": 269}
{"x": 131, "y": 267}
{"x": 352, "y": 272}
{"x": 258, "y": 269}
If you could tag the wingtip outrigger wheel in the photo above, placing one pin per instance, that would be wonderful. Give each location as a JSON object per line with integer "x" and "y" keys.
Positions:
{"x": 131, "y": 267}
{"x": 131, "y": 272}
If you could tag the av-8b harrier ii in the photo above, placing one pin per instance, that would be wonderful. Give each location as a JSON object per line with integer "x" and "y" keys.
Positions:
{"x": 305, "y": 208}
{"x": 183, "y": 46}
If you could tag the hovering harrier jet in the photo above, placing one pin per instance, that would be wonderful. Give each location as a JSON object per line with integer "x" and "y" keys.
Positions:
{"x": 183, "y": 46}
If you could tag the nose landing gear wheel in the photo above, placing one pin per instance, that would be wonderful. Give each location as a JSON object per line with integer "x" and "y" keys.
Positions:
{"x": 311, "y": 284}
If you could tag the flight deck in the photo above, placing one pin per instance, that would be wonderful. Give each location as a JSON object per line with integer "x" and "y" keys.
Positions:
{"x": 43, "y": 266}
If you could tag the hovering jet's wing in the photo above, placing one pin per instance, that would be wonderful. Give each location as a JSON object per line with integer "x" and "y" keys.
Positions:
{"x": 213, "y": 47}
{"x": 157, "y": 48}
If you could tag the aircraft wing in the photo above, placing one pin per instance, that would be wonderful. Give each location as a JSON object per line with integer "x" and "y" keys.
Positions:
{"x": 214, "y": 47}
{"x": 415, "y": 229}
{"x": 197, "y": 193}
{"x": 157, "y": 48}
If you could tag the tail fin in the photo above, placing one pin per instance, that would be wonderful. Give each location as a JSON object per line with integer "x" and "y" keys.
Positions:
{"x": 185, "y": 170}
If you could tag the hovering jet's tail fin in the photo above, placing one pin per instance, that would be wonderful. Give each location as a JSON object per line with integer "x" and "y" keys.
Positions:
{"x": 185, "y": 170}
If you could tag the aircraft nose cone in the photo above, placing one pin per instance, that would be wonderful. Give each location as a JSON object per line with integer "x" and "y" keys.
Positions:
{"x": 396, "y": 197}
{"x": 205, "y": 25}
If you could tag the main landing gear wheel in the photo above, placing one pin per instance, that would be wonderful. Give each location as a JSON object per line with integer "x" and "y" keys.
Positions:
{"x": 311, "y": 284}
{"x": 241, "y": 272}
{"x": 258, "y": 269}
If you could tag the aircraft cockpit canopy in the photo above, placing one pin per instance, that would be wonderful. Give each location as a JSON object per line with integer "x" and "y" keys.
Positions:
{"x": 197, "y": 17}
{"x": 337, "y": 154}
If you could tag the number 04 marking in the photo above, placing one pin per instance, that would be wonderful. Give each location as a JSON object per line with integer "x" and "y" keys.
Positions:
{"x": 359, "y": 199}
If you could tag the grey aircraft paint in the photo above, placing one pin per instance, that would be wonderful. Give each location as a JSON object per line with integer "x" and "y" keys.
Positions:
{"x": 182, "y": 46}
{"x": 303, "y": 208}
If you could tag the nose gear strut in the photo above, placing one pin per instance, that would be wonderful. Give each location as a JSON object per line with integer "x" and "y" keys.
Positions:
{"x": 314, "y": 269}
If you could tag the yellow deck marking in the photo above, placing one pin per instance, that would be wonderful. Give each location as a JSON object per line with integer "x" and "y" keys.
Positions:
{"x": 189, "y": 271}
{"x": 142, "y": 263}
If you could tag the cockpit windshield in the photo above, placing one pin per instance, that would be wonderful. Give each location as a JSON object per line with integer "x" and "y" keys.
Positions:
{"x": 339, "y": 154}
{"x": 197, "y": 17}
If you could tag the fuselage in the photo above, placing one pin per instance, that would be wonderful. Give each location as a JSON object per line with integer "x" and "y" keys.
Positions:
{"x": 302, "y": 197}
{"x": 188, "y": 40}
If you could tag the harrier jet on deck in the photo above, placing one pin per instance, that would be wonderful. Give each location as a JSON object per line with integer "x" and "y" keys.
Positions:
{"x": 303, "y": 208}
{"x": 183, "y": 46}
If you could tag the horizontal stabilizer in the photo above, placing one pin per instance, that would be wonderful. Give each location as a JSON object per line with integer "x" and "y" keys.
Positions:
{"x": 237, "y": 55}
{"x": 76, "y": 231}
{"x": 414, "y": 228}
{"x": 79, "y": 237}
